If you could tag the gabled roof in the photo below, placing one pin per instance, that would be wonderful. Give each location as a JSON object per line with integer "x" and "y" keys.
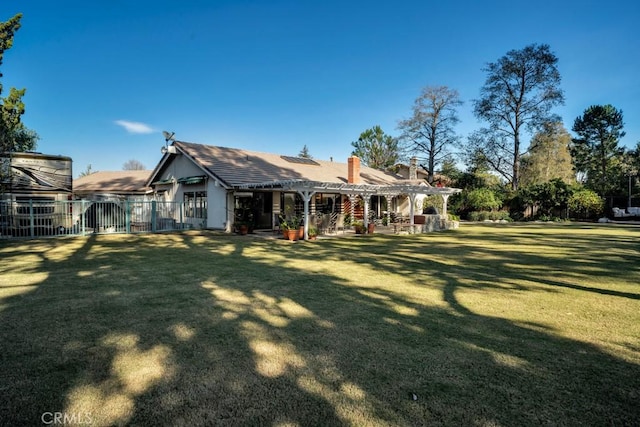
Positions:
{"x": 403, "y": 170}
{"x": 236, "y": 167}
{"x": 113, "y": 182}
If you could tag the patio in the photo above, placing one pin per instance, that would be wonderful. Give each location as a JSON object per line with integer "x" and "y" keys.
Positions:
{"x": 412, "y": 189}
{"x": 422, "y": 224}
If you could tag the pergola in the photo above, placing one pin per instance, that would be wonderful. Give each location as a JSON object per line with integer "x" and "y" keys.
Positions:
{"x": 307, "y": 189}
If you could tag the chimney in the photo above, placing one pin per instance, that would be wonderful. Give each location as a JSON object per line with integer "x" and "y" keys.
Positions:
{"x": 413, "y": 168}
{"x": 353, "y": 176}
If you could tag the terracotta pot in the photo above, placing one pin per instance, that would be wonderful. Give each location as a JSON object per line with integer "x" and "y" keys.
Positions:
{"x": 370, "y": 227}
{"x": 301, "y": 233}
{"x": 244, "y": 229}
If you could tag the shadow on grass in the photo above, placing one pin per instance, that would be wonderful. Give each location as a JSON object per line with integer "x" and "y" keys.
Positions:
{"x": 203, "y": 330}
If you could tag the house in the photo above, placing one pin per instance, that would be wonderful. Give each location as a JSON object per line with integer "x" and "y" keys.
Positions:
{"x": 221, "y": 185}
{"x": 113, "y": 185}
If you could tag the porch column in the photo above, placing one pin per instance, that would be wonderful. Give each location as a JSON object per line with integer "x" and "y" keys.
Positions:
{"x": 366, "y": 199}
{"x": 412, "y": 198}
{"x": 352, "y": 204}
{"x": 276, "y": 209}
{"x": 306, "y": 197}
{"x": 445, "y": 198}
{"x": 388, "y": 198}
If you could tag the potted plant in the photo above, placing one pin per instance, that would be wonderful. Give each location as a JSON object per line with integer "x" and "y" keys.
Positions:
{"x": 243, "y": 228}
{"x": 289, "y": 228}
{"x": 358, "y": 226}
{"x": 313, "y": 233}
{"x": 284, "y": 227}
{"x": 371, "y": 227}
{"x": 300, "y": 224}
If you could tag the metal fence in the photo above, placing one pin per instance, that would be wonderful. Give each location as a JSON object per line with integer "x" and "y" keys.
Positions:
{"x": 35, "y": 218}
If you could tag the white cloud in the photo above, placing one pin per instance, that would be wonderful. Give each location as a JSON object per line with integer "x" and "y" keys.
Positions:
{"x": 134, "y": 127}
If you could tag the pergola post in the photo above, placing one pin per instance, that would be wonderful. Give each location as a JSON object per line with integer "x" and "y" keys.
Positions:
{"x": 445, "y": 198}
{"x": 352, "y": 205}
{"x": 366, "y": 200}
{"x": 388, "y": 198}
{"x": 306, "y": 197}
{"x": 412, "y": 198}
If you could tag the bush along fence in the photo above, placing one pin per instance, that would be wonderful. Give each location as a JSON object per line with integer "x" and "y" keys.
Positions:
{"x": 36, "y": 218}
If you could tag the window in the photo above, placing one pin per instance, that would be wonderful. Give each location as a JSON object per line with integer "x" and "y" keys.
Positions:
{"x": 195, "y": 204}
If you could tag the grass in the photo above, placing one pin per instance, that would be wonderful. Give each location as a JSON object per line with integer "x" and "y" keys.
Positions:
{"x": 487, "y": 326}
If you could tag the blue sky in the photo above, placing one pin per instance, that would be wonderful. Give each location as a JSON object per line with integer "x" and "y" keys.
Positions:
{"x": 105, "y": 78}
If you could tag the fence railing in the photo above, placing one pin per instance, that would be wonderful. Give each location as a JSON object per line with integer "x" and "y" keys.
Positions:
{"x": 35, "y": 218}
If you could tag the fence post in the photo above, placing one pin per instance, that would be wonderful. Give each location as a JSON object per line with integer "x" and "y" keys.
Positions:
{"x": 83, "y": 217}
{"x": 127, "y": 216}
{"x": 153, "y": 216}
{"x": 31, "y": 219}
{"x": 181, "y": 218}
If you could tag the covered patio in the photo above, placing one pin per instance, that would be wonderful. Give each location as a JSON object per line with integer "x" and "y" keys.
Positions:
{"x": 412, "y": 189}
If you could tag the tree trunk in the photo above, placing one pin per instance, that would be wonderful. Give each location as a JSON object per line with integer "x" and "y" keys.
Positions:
{"x": 516, "y": 162}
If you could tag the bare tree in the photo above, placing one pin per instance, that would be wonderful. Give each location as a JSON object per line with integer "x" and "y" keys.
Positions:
{"x": 133, "y": 165}
{"x": 520, "y": 90}
{"x": 430, "y": 131}
{"x": 87, "y": 171}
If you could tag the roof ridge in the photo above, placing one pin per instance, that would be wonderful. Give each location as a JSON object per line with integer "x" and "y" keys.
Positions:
{"x": 260, "y": 153}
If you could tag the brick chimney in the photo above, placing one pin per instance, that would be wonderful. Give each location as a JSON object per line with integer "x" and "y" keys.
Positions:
{"x": 413, "y": 168}
{"x": 353, "y": 176}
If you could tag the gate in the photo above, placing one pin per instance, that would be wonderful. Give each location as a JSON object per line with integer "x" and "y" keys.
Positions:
{"x": 45, "y": 218}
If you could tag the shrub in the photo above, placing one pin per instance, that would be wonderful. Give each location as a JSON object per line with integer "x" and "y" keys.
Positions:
{"x": 585, "y": 204}
{"x": 432, "y": 202}
{"x": 489, "y": 216}
{"x": 482, "y": 199}
{"x": 550, "y": 218}
{"x": 549, "y": 197}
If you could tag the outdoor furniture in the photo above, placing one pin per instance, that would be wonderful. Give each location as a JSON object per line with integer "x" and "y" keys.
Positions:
{"x": 332, "y": 222}
{"x": 419, "y": 219}
{"x": 620, "y": 213}
{"x": 401, "y": 223}
{"x": 339, "y": 223}
{"x": 634, "y": 211}
{"x": 325, "y": 224}
{"x": 276, "y": 223}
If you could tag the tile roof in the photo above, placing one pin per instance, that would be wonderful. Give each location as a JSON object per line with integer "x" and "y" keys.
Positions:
{"x": 234, "y": 167}
{"x": 118, "y": 182}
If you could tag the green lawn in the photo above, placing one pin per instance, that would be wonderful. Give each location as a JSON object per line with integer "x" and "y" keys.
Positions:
{"x": 486, "y": 326}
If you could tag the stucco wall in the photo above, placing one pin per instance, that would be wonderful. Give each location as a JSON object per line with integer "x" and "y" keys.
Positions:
{"x": 217, "y": 203}
{"x": 217, "y": 206}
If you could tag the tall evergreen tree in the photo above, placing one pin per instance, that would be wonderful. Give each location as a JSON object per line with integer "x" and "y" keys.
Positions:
{"x": 595, "y": 151}
{"x": 14, "y": 136}
{"x": 376, "y": 149}
{"x": 304, "y": 153}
